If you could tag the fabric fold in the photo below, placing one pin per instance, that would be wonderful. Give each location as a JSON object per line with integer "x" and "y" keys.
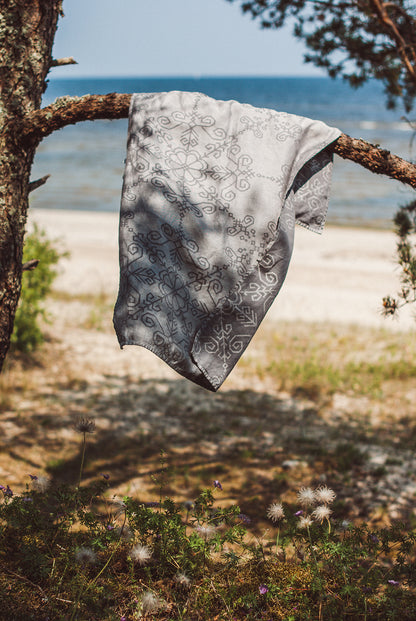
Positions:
{"x": 211, "y": 193}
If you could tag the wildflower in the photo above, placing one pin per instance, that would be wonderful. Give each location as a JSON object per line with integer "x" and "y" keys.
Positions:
{"x": 27, "y": 499}
{"x": 40, "y": 484}
{"x": 322, "y": 513}
{"x": 217, "y": 484}
{"x": 183, "y": 580}
{"x": 305, "y": 521}
{"x": 105, "y": 476}
{"x": 85, "y": 556}
{"x": 33, "y": 477}
{"x": 85, "y": 425}
{"x": 275, "y": 512}
{"x": 374, "y": 538}
{"x": 206, "y": 532}
{"x": 263, "y": 589}
{"x": 140, "y": 554}
{"x": 244, "y": 518}
{"x": 325, "y": 495}
{"x": 306, "y": 496}
{"x": 6, "y": 490}
{"x": 299, "y": 513}
{"x": 393, "y": 582}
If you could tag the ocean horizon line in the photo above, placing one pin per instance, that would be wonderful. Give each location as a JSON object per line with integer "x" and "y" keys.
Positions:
{"x": 195, "y": 77}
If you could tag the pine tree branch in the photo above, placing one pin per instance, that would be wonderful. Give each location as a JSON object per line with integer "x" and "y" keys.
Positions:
{"x": 33, "y": 185}
{"x": 69, "y": 110}
{"x": 59, "y": 62}
{"x": 375, "y": 159}
{"x": 402, "y": 46}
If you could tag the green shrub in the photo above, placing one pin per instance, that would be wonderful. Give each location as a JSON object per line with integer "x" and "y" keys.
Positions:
{"x": 36, "y": 285}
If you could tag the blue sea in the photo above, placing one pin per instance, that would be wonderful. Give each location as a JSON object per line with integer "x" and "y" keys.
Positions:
{"x": 86, "y": 160}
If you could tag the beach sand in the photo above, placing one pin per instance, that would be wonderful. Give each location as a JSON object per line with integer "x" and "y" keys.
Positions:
{"x": 340, "y": 276}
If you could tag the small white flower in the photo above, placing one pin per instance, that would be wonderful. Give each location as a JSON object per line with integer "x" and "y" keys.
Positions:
{"x": 85, "y": 556}
{"x": 140, "y": 554}
{"x": 183, "y": 579}
{"x": 40, "y": 484}
{"x": 306, "y": 496}
{"x": 322, "y": 513}
{"x": 275, "y": 512}
{"x": 206, "y": 532}
{"x": 305, "y": 521}
{"x": 325, "y": 495}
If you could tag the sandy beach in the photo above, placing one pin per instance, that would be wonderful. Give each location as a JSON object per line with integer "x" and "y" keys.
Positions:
{"x": 340, "y": 276}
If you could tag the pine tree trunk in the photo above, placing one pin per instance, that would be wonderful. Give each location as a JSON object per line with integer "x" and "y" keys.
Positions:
{"x": 27, "y": 30}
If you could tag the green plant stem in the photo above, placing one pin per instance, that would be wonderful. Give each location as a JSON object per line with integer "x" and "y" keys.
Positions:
{"x": 109, "y": 558}
{"x": 84, "y": 443}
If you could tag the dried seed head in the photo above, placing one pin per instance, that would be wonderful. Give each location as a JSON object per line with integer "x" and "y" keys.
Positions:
{"x": 306, "y": 496}
{"x": 140, "y": 554}
{"x": 325, "y": 495}
{"x": 275, "y": 512}
{"x": 85, "y": 556}
{"x": 85, "y": 425}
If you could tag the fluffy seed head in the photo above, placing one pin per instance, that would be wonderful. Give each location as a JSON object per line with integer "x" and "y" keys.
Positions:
{"x": 140, "y": 554}
{"x": 325, "y": 495}
{"x": 183, "y": 579}
{"x": 150, "y": 602}
{"x": 85, "y": 556}
{"x": 306, "y": 496}
{"x": 275, "y": 512}
{"x": 206, "y": 532}
{"x": 305, "y": 521}
{"x": 40, "y": 484}
{"x": 322, "y": 513}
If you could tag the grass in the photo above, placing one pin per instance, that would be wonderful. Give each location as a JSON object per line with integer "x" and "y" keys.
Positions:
{"x": 316, "y": 360}
{"x": 77, "y": 552}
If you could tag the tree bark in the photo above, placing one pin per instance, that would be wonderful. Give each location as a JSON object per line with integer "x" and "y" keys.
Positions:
{"x": 27, "y": 31}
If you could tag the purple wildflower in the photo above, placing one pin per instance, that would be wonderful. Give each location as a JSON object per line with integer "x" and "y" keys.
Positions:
{"x": 374, "y": 538}
{"x": 8, "y": 492}
{"x": 217, "y": 484}
{"x": 105, "y": 476}
{"x": 298, "y": 513}
{"x": 27, "y": 499}
{"x": 393, "y": 582}
{"x": 33, "y": 477}
{"x": 263, "y": 589}
{"x": 244, "y": 518}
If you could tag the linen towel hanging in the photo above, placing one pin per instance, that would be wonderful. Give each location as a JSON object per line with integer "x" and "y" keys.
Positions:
{"x": 211, "y": 193}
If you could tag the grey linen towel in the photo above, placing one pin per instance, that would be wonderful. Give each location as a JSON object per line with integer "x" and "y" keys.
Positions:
{"x": 211, "y": 193}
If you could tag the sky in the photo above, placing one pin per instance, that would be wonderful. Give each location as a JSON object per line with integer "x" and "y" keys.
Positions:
{"x": 172, "y": 38}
